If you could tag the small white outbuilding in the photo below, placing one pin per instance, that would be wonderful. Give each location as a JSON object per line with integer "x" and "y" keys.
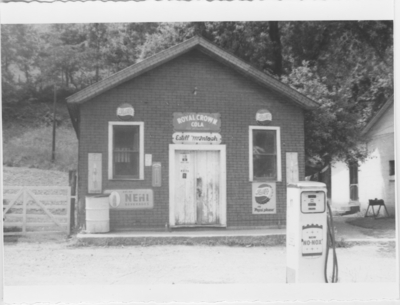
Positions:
{"x": 374, "y": 178}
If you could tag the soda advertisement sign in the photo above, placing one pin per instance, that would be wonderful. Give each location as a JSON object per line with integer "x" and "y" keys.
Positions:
{"x": 94, "y": 173}
{"x": 131, "y": 199}
{"x": 196, "y": 138}
{"x": 264, "y": 198}
{"x": 191, "y": 121}
{"x": 263, "y": 117}
{"x": 125, "y": 112}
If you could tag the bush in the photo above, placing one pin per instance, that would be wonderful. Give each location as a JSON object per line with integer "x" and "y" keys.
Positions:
{"x": 33, "y": 149}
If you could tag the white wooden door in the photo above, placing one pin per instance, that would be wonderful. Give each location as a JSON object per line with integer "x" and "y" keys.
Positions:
{"x": 185, "y": 203}
{"x": 197, "y": 182}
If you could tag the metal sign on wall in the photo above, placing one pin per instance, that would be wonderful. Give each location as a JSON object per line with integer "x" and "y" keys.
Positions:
{"x": 125, "y": 112}
{"x": 131, "y": 199}
{"x": 94, "y": 173}
{"x": 156, "y": 174}
{"x": 196, "y": 138}
{"x": 264, "y": 198}
{"x": 263, "y": 117}
{"x": 191, "y": 121}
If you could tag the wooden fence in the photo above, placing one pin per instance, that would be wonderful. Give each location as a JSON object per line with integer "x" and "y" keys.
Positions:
{"x": 36, "y": 209}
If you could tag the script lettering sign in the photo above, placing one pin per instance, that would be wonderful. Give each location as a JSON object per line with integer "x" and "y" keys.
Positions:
{"x": 196, "y": 138}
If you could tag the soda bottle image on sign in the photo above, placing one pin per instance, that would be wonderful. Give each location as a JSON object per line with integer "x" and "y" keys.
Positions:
{"x": 263, "y": 193}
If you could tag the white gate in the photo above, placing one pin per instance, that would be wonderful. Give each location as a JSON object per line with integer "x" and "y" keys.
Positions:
{"x": 36, "y": 209}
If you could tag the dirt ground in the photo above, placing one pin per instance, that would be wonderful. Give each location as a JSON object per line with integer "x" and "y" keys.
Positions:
{"x": 57, "y": 263}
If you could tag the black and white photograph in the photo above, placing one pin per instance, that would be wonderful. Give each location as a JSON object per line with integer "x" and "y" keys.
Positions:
{"x": 198, "y": 157}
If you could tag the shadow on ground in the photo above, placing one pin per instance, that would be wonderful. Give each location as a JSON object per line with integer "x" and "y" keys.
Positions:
{"x": 365, "y": 227}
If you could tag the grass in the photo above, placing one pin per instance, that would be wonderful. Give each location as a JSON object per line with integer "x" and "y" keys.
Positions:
{"x": 32, "y": 149}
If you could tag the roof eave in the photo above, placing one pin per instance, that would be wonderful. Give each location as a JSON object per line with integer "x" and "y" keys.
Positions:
{"x": 377, "y": 116}
{"x": 184, "y": 47}
{"x": 131, "y": 72}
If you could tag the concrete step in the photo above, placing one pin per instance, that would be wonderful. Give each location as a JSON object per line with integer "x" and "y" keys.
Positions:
{"x": 268, "y": 237}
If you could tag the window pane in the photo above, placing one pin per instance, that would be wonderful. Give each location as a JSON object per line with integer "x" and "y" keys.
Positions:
{"x": 126, "y": 164}
{"x": 126, "y": 151}
{"x": 391, "y": 168}
{"x": 264, "y": 166}
{"x": 264, "y": 154}
{"x": 264, "y": 141}
{"x": 126, "y": 137}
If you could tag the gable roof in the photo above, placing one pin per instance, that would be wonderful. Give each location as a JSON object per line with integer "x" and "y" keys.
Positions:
{"x": 377, "y": 116}
{"x": 179, "y": 49}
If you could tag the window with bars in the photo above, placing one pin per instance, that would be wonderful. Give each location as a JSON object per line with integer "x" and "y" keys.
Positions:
{"x": 391, "y": 168}
{"x": 126, "y": 151}
{"x": 264, "y": 154}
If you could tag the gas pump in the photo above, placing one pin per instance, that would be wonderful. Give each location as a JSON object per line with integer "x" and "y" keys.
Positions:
{"x": 309, "y": 234}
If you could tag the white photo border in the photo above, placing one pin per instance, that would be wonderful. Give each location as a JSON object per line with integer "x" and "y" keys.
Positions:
{"x": 183, "y": 11}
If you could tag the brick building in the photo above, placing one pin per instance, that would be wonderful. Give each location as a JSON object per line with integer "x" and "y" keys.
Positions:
{"x": 192, "y": 136}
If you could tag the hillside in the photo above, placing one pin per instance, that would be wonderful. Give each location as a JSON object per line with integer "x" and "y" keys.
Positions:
{"x": 27, "y": 137}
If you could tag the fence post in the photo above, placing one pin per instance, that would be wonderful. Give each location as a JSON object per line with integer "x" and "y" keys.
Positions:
{"x": 81, "y": 213}
{"x": 72, "y": 184}
{"x": 24, "y": 218}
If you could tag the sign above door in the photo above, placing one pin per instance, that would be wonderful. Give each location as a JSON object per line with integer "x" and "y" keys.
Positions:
{"x": 196, "y": 138}
{"x": 191, "y": 121}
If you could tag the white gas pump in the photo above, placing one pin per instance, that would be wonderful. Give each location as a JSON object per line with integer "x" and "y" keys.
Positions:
{"x": 309, "y": 234}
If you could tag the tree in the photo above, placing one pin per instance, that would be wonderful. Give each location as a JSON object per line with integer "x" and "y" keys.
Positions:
{"x": 345, "y": 65}
{"x": 332, "y": 130}
{"x": 164, "y": 36}
{"x": 125, "y": 44}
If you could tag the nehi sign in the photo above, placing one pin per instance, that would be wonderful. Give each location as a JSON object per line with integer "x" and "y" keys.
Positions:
{"x": 131, "y": 199}
{"x": 196, "y": 121}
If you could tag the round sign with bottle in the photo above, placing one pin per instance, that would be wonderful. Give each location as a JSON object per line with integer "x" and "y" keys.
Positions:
{"x": 263, "y": 117}
{"x": 125, "y": 112}
{"x": 114, "y": 199}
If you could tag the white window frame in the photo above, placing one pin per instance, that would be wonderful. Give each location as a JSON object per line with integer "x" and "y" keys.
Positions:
{"x": 110, "y": 149}
{"x": 278, "y": 152}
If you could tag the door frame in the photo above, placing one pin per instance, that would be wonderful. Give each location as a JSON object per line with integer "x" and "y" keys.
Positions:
{"x": 222, "y": 180}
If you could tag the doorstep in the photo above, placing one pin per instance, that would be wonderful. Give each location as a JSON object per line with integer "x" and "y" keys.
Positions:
{"x": 135, "y": 237}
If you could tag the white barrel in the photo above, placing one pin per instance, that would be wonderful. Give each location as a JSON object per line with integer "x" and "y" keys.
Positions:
{"x": 97, "y": 214}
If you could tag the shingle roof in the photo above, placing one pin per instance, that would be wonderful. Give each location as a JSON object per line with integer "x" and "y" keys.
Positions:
{"x": 378, "y": 115}
{"x": 179, "y": 49}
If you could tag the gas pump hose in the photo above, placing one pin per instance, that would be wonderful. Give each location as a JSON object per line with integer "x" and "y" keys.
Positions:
{"x": 330, "y": 242}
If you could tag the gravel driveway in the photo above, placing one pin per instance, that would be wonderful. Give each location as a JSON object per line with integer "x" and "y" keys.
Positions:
{"x": 51, "y": 262}
{"x": 60, "y": 264}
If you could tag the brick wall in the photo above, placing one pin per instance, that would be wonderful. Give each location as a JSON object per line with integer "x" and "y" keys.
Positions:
{"x": 155, "y": 96}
